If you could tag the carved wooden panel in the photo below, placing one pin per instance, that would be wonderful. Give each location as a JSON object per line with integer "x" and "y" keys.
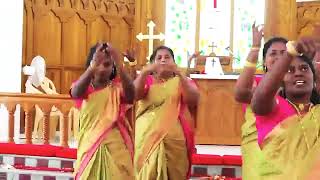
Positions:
{"x": 308, "y": 15}
{"x": 62, "y": 31}
{"x": 54, "y": 74}
{"x": 280, "y": 19}
{"x": 100, "y": 30}
{"x": 219, "y": 116}
{"x": 47, "y": 36}
{"x": 70, "y": 75}
{"x": 74, "y": 29}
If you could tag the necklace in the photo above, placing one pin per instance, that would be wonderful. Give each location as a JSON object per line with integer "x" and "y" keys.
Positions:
{"x": 102, "y": 86}
{"x": 299, "y": 108}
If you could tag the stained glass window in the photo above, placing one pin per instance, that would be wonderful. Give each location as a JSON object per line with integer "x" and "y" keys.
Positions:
{"x": 180, "y": 28}
{"x": 245, "y": 13}
{"x": 215, "y": 27}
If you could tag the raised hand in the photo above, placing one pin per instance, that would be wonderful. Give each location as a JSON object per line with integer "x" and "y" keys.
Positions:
{"x": 150, "y": 68}
{"x": 114, "y": 54}
{"x": 194, "y": 55}
{"x": 256, "y": 35}
{"x": 167, "y": 70}
{"x": 130, "y": 54}
{"x": 307, "y": 46}
{"x": 98, "y": 57}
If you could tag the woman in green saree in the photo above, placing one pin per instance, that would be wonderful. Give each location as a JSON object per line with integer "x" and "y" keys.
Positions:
{"x": 163, "y": 134}
{"x": 105, "y": 148}
{"x": 281, "y": 135}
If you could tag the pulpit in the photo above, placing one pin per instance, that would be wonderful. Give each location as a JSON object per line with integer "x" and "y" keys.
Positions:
{"x": 219, "y": 117}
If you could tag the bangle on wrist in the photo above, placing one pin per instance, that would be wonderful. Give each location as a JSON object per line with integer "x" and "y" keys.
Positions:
{"x": 250, "y": 64}
{"x": 255, "y": 48}
{"x": 92, "y": 64}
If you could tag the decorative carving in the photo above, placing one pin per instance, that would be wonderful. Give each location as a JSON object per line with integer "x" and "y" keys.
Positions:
{"x": 97, "y": 4}
{"x": 129, "y": 20}
{"x": 85, "y": 3}
{"x": 73, "y": 3}
{"x": 64, "y": 14}
{"x": 112, "y": 8}
{"x": 88, "y": 16}
{"x": 40, "y": 11}
{"x": 112, "y": 20}
{"x": 281, "y": 19}
{"x": 308, "y": 15}
{"x": 123, "y": 9}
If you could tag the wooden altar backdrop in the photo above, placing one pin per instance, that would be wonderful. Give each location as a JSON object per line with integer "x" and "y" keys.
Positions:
{"x": 62, "y": 31}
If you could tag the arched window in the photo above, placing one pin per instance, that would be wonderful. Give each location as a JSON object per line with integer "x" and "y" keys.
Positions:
{"x": 201, "y": 25}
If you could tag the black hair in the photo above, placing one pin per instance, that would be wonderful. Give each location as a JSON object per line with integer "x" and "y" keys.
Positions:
{"x": 153, "y": 55}
{"x": 90, "y": 58}
{"x": 315, "y": 97}
{"x": 267, "y": 45}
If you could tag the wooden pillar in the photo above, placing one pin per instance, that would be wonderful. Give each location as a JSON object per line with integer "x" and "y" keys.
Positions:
{"x": 281, "y": 19}
{"x": 11, "y": 109}
{"x": 46, "y": 109}
{"x": 147, "y": 10}
{"x": 64, "y": 128}
{"x": 28, "y": 122}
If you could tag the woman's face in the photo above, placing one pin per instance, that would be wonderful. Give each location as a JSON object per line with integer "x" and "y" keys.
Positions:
{"x": 298, "y": 81}
{"x": 163, "y": 56}
{"x": 276, "y": 51}
{"x": 104, "y": 69}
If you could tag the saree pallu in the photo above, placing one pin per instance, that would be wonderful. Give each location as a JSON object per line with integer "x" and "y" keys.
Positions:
{"x": 289, "y": 151}
{"x": 105, "y": 149}
{"x": 163, "y": 134}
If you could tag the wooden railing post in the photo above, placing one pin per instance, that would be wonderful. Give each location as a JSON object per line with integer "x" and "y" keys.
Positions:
{"x": 46, "y": 118}
{"x": 11, "y": 107}
{"x": 28, "y": 124}
{"x": 64, "y": 127}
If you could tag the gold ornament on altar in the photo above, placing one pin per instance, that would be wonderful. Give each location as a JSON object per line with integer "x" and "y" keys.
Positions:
{"x": 151, "y": 36}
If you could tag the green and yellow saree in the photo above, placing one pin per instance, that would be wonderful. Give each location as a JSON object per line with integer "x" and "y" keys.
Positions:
{"x": 163, "y": 135}
{"x": 105, "y": 149}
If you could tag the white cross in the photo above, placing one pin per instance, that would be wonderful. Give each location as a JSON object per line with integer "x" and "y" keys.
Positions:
{"x": 150, "y": 37}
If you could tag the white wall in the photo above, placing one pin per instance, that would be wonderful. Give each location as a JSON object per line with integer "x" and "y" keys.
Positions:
{"x": 11, "y": 18}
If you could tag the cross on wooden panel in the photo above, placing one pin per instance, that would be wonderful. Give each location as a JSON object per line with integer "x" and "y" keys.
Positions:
{"x": 150, "y": 37}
